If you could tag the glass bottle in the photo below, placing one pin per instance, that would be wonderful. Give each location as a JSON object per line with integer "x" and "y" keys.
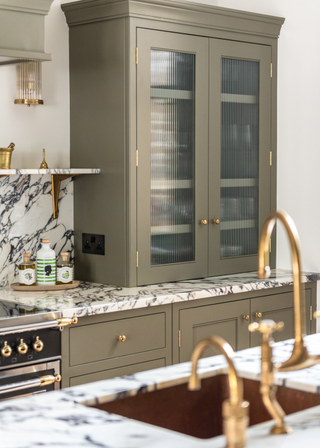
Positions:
{"x": 27, "y": 271}
{"x": 64, "y": 269}
{"x": 46, "y": 264}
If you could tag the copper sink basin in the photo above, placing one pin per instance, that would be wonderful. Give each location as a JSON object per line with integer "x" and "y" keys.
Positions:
{"x": 198, "y": 413}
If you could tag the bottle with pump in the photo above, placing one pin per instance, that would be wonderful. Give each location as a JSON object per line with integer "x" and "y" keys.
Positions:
{"x": 64, "y": 269}
{"x": 46, "y": 264}
{"x": 27, "y": 271}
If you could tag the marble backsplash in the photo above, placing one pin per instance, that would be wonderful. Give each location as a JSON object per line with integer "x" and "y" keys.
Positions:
{"x": 26, "y": 217}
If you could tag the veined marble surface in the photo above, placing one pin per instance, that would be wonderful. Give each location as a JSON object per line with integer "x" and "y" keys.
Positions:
{"x": 62, "y": 418}
{"x": 26, "y": 216}
{"x": 91, "y": 298}
{"x": 50, "y": 171}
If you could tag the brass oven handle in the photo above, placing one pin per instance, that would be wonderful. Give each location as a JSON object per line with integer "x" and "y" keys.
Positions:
{"x": 36, "y": 382}
{"x": 59, "y": 323}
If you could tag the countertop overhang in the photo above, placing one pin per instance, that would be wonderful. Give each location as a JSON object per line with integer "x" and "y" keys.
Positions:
{"x": 90, "y": 298}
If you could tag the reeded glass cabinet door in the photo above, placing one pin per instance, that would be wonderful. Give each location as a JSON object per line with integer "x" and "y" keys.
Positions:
{"x": 239, "y": 153}
{"x": 172, "y": 174}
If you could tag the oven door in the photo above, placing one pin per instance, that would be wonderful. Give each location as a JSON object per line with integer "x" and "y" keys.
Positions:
{"x": 29, "y": 380}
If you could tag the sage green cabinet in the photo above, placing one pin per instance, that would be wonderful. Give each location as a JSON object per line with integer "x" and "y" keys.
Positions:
{"x": 176, "y": 103}
{"x": 120, "y": 343}
{"x": 230, "y": 319}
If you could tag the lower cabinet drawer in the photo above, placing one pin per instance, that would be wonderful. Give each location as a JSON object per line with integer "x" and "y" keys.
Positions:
{"x": 111, "y": 373}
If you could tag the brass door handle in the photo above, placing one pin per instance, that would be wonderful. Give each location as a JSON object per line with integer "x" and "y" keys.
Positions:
{"x": 122, "y": 338}
{"x": 246, "y": 317}
{"x": 258, "y": 315}
{"x": 204, "y": 222}
{"x": 216, "y": 221}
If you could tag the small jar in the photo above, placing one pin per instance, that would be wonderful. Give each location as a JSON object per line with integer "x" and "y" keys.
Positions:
{"x": 46, "y": 264}
{"x": 27, "y": 271}
{"x": 64, "y": 269}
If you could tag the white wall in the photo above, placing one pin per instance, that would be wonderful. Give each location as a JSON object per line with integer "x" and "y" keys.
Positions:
{"x": 298, "y": 99}
{"x": 37, "y": 127}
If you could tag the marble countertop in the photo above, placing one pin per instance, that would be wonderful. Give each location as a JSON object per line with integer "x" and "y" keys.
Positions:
{"x": 91, "y": 298}
{"x": 62, "y": 418}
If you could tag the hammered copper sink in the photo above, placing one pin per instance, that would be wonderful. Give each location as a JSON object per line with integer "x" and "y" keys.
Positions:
{"x": 198, "y": 413}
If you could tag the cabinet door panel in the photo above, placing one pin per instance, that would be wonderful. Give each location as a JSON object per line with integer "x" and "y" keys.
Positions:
{"x": 239, "y": 153}
{"x": 225, "y": 320}
{"x": 172, "y": 172}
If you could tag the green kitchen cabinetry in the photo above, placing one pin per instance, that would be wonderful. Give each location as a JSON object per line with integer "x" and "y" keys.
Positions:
{"x": 229, "y": 317}
{"x": 176, "y": 103}
{"x": 115, "y": 344}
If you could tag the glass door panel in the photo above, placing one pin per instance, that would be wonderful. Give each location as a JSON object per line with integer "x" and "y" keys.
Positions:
{"x": 239, "y": 191}
{"x": 172, "y": 208}
{"x": 172, "y": 141}
{"x": 239, "y": 153}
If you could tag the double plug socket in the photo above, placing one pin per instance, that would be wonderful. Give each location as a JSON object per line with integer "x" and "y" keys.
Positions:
{"x": 92, "y": 244}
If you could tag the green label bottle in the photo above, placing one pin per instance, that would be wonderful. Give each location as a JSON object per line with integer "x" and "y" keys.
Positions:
{"x": 64, "y": 269}
{"x": 46, "y": 264}
{"x": 27, "y": 271}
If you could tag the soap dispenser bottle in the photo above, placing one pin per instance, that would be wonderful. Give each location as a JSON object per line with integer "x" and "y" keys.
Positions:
{"x": 46, "y": 264}
{"x": 64, "y": 269}
{"x": 27, "y": 271}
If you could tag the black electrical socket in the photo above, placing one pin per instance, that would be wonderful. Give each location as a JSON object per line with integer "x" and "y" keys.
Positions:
{"x": 92, "y": 244}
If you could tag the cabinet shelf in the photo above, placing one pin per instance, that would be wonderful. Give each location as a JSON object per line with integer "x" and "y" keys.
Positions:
{"x": 156, "y": 92}
{"x": 235, "y": 183}
{"x": 240, "y": 224}
{"x": 57, "y": 175}
{"x": 171, "y": 184}
{"x": 243, "y": 99}
{"x": 171, "y": 230}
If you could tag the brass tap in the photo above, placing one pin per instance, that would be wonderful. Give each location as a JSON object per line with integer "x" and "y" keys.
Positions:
{"x": 234, "y": 411}
{"x": 300, "y": 358}
{"x": 267, "y": 388}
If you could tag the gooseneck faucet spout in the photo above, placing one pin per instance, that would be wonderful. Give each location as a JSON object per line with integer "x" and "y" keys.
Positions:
{"x": 235, "y": 411}
{"x": 300, "y": 358}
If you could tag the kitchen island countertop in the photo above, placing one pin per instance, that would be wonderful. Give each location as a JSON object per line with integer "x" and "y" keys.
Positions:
{"x": 90, "y": 298}
{"x": 61, "y": 418}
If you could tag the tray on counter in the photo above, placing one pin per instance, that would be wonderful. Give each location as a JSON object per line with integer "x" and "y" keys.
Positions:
{"x": 72, "y": 285}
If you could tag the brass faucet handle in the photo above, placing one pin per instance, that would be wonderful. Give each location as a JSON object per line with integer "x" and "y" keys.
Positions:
{"x": 316, "y": 314}
{"x": 266, "y": 327}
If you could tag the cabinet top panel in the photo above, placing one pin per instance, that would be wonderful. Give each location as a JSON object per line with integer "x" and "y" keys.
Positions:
{"x": 177, "y": 11}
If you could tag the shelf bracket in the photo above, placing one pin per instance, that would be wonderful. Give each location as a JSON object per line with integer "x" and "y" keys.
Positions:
{"x": 56, "y": 180}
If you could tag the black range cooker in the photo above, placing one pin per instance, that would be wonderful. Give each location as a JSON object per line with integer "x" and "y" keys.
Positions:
{"x": 30, "y": 349}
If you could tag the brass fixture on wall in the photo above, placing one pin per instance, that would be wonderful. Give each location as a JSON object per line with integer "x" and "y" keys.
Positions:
{"x": 29, "y": 84}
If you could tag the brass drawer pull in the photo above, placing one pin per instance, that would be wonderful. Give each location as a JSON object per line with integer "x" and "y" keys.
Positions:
{"x": 122, "y": 338}
{"x": 258, "y": 315}
{"x": 246, "y": 317}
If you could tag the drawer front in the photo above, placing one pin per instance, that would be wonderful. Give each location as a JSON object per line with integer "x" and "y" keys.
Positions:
{"x": 111, "y": 373}
{"x": 98, "y": 342}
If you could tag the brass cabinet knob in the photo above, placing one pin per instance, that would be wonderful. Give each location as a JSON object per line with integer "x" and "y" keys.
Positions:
{"x": 6, "y": 350}
{"x": 204, "y": 222}
{"x": 216, "y": 221}
{"x": 38, "y": 345}
{"x": 258, "y": 315}
{"x": 22, "y": 347}
{"x": 246, "y": 317}
{"x": 122, "y": 338}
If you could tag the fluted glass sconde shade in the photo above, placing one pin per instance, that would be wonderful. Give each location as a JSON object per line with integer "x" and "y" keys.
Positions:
{"x": 29, "y": 80}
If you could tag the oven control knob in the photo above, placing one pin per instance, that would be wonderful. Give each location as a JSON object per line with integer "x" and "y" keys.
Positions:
{"x": 38, "y": 345}
{"x": 22, "y": 347}
{"x": 6, "y": 350}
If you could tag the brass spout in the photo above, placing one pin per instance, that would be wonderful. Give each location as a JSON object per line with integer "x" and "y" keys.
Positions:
{"x": 300, "y": 358}
{"x": 235, "y": 411}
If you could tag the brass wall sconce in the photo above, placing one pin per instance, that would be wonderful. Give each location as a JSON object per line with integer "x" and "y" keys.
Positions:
{"x": 29, "y": 83}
